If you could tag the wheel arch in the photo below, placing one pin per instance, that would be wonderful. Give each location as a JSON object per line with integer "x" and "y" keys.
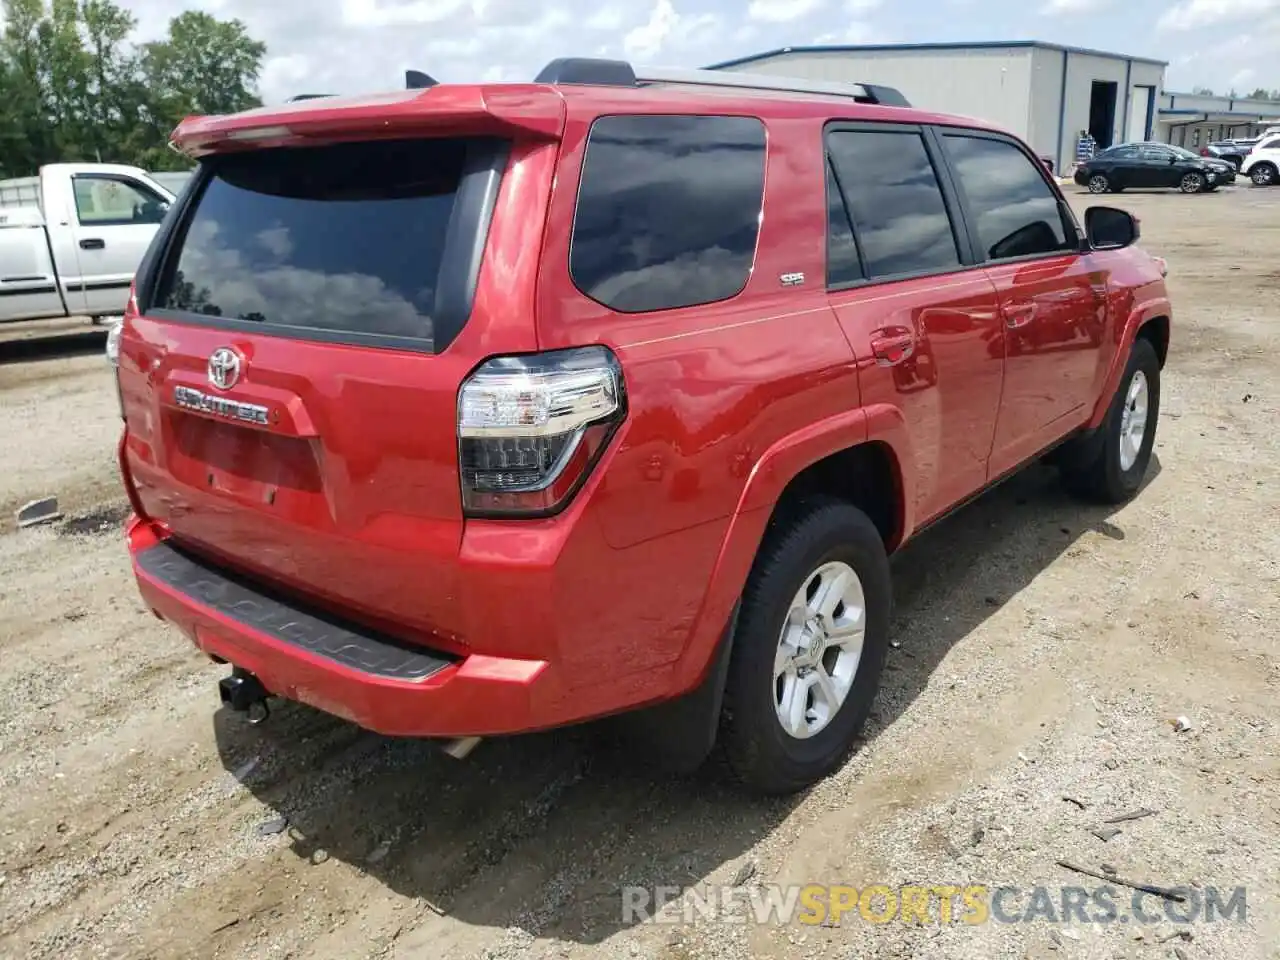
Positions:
{"x": 1150, "y": 320}
{"x": 857, "y": 455}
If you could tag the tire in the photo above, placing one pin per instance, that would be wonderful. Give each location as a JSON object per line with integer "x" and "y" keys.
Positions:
{"x": 1098, "y": 183}
{"x": 1264, "y": 175}
{"x": 1097, "y": 468}
{"x": 1191, "y": 183}
{"x": 823, "y": 535}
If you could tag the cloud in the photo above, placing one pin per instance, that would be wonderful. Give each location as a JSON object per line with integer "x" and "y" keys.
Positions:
{"x": 1072, "y": 7}
{"x": 665, "y": 24}
{"x": 783, "y": 11}
{"x": 1197, "y": 14}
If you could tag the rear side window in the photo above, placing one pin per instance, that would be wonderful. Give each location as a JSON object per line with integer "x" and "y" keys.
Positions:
{"x": 346, "y": 239}
{"x": 668, "y": 210}
{"x": 895, "y": 202}
{"x": 1013, "y": 210}
{"x": 843, "y": 263}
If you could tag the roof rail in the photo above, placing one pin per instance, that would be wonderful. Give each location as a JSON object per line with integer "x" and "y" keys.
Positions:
{"x": 309, "y": 96}
{"x": 619, "y": 73}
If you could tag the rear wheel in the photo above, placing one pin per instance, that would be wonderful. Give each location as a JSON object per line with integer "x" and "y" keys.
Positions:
{"x": 1098, "y": 183}
{"x": 1109, "y": 466}
{"x": 809, "y": 648}
{"x": 1191, "y": 183}
{"x": 1263, "y": 174}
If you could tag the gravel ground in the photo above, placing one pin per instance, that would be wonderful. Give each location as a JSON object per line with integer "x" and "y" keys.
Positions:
{"x": 1044, "y": 650}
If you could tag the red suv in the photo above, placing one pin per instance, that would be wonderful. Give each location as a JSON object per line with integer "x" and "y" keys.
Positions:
{"x": 467, "y": 410}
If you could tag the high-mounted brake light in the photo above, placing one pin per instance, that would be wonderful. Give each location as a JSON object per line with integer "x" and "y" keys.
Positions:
{"x": 530, "y": 428}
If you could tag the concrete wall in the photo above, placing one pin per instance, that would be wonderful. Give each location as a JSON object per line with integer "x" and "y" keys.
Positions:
{"x": 993, "y": 85}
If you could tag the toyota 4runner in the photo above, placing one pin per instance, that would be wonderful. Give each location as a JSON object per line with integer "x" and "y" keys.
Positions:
{"x": 467, "y": 410}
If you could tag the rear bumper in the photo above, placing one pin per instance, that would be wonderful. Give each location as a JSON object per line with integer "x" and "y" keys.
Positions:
{"x": 375, "y": 682}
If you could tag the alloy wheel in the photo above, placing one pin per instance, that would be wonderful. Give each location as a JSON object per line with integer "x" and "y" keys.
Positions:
{"x": 819, "y": 650}
{"x": 1133, "y": 420}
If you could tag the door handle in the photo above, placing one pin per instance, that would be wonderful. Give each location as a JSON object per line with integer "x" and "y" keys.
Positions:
{"x": 1019, "y": 315}
{"x": 93, "y": 243}
{"x": 892, "y": 346}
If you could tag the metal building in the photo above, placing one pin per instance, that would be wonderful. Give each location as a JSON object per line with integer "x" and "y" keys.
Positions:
{"x": 1192, "y": 120}
{"x": 1049, "y": 95}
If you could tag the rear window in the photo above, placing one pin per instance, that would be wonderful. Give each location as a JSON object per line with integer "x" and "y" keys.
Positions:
{"x": 347, "y": 239}
{"x": 668, "y": 210}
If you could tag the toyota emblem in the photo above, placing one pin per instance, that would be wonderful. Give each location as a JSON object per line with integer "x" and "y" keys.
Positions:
{"x": 224, "y": 368}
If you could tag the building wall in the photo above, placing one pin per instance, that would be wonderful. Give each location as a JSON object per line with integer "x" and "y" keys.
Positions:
{"x": 1046, "y": 98}
{"x": 1130, "y": 78}
{"x": 993, "y": 84}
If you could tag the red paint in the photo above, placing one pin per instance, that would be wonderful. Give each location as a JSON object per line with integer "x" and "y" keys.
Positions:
{"x": 350, "y": 496}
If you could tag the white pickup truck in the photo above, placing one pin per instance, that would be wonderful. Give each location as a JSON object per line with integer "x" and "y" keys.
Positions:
{"x": 71, "y": 238}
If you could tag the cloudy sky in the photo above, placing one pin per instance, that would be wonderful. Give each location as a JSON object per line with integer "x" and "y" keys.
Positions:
{"x": 346, "y": 46}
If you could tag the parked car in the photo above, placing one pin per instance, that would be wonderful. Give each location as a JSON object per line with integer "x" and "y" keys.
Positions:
{"x": 1232, "y": 151}
{"x": 1262, "y": 166}
{"x": 495, "y": 408}
{"x": 71, "y": 239}
{"x": 1148, "y": 165}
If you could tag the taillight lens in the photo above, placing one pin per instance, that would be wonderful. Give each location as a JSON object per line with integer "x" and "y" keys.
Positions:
{"x": 530, "y": 428}
{"x": 113, "y": 343}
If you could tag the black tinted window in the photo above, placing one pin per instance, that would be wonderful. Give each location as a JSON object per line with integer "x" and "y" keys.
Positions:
{"x": 895, "y": 202}
{"x": 1272, "y": 144}
{"x": 668, "y": 210}
{"x": 842, "y": 253}
{"x": 1014, "y": 212}
{"x": 343, "y": 238}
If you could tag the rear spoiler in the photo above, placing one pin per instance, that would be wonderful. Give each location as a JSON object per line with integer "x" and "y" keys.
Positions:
{"x": 493, "y": 109}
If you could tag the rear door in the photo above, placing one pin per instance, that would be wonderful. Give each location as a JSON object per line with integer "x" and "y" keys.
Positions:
{"x": 1128, "y": 169}
{"x": 921, "y": 318}
{"x": 1052, "y": 297}
{"x": 290, "y": 391}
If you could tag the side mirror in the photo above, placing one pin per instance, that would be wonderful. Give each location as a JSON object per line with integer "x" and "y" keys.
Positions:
{"x": 1110, "y": 229}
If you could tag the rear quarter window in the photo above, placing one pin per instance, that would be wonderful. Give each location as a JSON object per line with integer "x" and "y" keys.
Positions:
{"x": 668, "y": 210}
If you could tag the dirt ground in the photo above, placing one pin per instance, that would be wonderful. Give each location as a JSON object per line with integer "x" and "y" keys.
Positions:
{"x": 1042, "y": 649}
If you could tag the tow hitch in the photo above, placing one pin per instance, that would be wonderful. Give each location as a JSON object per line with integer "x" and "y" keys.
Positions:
{"x": 244, "y": 693}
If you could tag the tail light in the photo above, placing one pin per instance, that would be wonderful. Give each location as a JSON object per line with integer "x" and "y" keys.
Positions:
{"x": 1204, "y": 152}
{"x": 113, "y": 343}
{"x": 531, "y": 428}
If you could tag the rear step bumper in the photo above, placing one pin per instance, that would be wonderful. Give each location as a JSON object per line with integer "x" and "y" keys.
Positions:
{"x": 378, "y": 683}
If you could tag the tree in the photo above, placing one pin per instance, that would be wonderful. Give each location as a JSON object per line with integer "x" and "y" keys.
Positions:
{"x": 1202, "y": 91}
{"x": 76, "y": 89}
{"x": 1262, "y": 93}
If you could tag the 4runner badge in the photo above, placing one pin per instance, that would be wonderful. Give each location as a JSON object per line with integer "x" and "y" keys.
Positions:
{"x": 193, "y": 399}
{"x": 224, "y": 368}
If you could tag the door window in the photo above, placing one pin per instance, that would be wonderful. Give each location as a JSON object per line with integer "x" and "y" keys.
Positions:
{"x": 1015, "y": 213}
{"x": 103, "y": 201}
{"x": 894, "y": 202}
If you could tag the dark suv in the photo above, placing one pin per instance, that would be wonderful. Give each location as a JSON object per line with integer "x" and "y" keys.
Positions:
{"x": 469, "y": 410}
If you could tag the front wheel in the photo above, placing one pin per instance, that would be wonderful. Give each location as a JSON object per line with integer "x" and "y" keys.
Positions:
{"x": 1099, "y": 184}
{"x": 1263, "y": 175}
{"x": 1110, "y": 465}
{"x": 1191, "y": 183}
{"x": 812, "y": 635}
